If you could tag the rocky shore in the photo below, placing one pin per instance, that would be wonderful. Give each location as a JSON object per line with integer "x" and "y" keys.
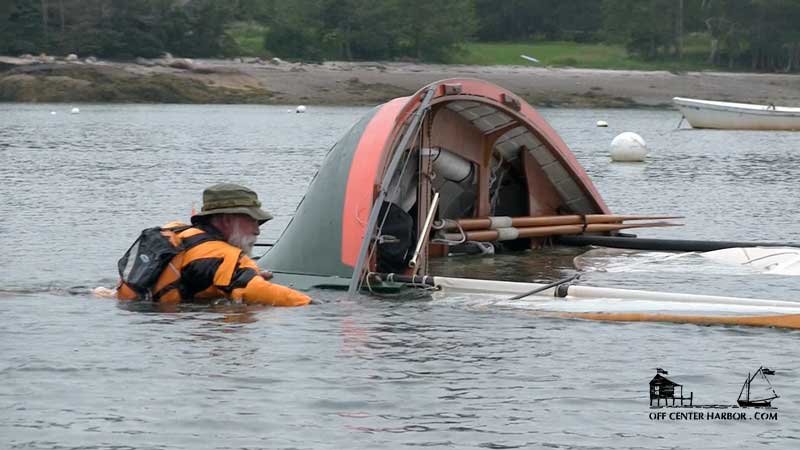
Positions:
{"x": 178, "y": 80}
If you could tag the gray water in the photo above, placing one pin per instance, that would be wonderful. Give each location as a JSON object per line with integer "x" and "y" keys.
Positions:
{"x": 366, "y": 372}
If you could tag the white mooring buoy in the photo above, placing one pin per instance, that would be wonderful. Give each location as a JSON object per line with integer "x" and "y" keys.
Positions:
{"x": 602, "y": 123}
{"x": 300, "y": 109}
{"x": 75, "y": 111}
{"x": 628, "y": 147}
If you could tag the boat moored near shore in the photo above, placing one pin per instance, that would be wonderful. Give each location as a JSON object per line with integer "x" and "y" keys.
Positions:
{"x": 737, "y": 116}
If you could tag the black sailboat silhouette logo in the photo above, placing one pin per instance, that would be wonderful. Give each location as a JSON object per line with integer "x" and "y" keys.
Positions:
{"x": 755, "y": 393}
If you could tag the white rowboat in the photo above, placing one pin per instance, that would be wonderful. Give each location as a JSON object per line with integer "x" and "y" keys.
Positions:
{"x": 737, "y": 116}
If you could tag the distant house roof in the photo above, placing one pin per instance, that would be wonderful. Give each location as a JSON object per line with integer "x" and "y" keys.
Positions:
{"x": 661, "y": 380}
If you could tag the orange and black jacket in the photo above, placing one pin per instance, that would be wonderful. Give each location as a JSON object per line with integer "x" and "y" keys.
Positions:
{"x": 210, "y": 268}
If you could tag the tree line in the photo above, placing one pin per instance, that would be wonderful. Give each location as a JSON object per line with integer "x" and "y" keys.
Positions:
{"x": 759, "y": 35}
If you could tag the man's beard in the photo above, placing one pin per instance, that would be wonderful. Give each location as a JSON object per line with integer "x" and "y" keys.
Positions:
{"x": 242, "y": 240}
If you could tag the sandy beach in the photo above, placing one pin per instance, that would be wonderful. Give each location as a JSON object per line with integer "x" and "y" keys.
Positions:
{"x": 346, "y": 83}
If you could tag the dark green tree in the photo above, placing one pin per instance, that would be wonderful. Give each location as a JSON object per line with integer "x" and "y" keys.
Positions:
{"x": 515, "y": 20}
{"x": 295, "y": 30}
{"x": 432, "y": 30}
{"x": 21, "y": 27}
{"x": 645, "y": 27}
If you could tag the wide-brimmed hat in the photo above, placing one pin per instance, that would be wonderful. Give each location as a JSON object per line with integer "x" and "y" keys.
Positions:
{"x": 229, "y": 198}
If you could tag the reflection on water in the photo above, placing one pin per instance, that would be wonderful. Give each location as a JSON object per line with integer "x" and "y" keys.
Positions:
{"x": 365, "y": 372}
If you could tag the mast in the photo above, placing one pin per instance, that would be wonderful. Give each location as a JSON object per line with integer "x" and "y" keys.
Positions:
{"x": 746, "y": 384}
{"x": 749, "y": 380}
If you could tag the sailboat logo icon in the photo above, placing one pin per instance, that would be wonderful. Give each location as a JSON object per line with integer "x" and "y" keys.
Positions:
{"x": 757, "y": 391}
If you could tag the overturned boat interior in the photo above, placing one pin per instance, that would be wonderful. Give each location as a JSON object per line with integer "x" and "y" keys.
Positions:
{"x": 407, "y": 182}
{"x": 460, "y": 167}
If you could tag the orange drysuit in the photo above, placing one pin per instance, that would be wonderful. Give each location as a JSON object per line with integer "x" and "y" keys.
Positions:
{"x": 215, "y": 269}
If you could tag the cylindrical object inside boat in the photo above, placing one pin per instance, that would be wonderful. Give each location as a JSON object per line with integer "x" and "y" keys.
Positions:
{"x": 448, "y": 164}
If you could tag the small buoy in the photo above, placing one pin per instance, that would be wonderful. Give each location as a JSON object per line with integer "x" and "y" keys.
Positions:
{"x": 628, "y": 146}
{"x": 300, "y": 109}
{"x": 602, "y": 123}
{"x": 52, "y": 113}
{"x": 75, "y": 111}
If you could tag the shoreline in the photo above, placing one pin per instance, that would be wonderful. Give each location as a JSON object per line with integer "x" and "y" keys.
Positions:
{"x": 257, "y": 81}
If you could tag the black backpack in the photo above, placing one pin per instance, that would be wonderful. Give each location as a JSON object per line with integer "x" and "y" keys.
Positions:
{"x": 150, "y": 254}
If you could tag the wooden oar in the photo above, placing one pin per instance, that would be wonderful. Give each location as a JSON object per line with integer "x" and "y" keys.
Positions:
{"x": 506, "y": 234}
{"x": 791, "y": 321}
{"x": 485, "y": 223}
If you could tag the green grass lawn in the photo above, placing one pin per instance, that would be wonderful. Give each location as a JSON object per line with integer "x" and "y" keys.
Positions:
{"x": 249, "y": 37}
{"x": 571, "y": 54}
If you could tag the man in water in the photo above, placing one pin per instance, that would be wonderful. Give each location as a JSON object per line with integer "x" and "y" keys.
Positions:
{"x": 215, "y": 262}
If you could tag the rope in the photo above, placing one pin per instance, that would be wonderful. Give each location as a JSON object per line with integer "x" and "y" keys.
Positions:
{"x": 429, "y": 172}
{"x": 493, "y": 201}
{"x": 412, "y": 128}
{"x": 449, "y": 242}
{"x": 379, "y": 230}
{"x": 395, "y": 188}
{"x": 547, "y": 286}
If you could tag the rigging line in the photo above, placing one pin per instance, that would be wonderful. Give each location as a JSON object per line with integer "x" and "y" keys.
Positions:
{"x": 394, "y": 191}
{"x": 460, "y": 241}
{"x": 428, "y": 172}
{"x": 358, "y": 269}
{"x": 768, "y": 256}
{"x": 767, "y": 380}
{"x": 547, "y": 286}
{"x": 396, "y": 188}
{"x": 379, "y": 229}
{"x": 499, "y": 180}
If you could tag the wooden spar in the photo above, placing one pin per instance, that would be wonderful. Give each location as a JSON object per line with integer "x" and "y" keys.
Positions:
{"x": 485, "y": 223}
{"x": 505, "y": 234}
{"x": 791, "y": 321}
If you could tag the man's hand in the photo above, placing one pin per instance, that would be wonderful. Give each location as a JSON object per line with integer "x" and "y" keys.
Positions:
{"x": 266, "y": 274}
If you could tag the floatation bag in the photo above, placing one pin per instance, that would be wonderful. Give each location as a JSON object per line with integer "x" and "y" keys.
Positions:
{"x": 148, "y": 256}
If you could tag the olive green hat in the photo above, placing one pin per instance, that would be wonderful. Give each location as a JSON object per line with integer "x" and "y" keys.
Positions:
{"x": 229, "y": 198}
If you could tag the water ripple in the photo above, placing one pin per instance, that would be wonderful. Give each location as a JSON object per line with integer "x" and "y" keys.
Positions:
{"x": 364, "y": 372}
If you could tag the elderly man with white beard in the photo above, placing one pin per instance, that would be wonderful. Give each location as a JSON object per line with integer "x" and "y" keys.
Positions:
{"x": 214, "y": 260}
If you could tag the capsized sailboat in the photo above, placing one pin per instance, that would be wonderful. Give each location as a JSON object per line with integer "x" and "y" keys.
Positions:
{"x": 464, "y": 166}
{"x": 486, "y": 153}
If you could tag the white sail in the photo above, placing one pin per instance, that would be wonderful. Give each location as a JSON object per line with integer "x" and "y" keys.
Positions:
{"x": 771, "y": 260}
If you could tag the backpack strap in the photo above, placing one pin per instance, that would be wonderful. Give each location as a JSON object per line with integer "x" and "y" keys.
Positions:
{"x": 186, "y": 244}
{"x": 197, "y": 239}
